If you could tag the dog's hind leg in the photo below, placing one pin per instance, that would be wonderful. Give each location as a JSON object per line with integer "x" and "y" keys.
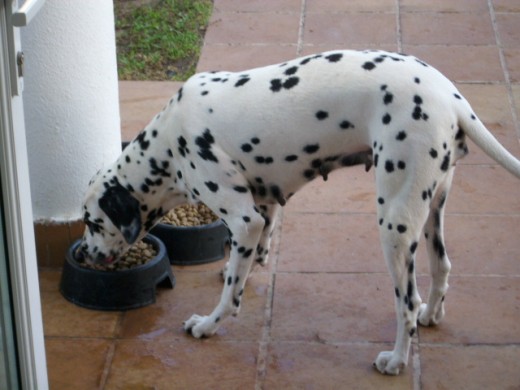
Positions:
{"x": 402, "y": 214}
{"x": 245, "y": 224}
{"x": 433, "y": 312}
{"x": 270, "y": 213}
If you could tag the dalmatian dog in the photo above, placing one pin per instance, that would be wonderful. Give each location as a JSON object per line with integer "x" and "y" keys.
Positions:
{"x": 244, "y": 143}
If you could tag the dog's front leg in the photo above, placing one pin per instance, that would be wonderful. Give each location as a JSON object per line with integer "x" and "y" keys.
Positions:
{"x": 245, "y": 237}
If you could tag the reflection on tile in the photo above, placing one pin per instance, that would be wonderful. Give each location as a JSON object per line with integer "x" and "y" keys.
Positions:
{"x": 193, "y": 364}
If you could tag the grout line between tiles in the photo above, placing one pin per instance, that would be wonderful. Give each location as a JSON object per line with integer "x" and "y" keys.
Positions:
{"x": 399, "y": 31}
{"x": 507, "y": 76}
{"x": 301, "y": 28}
{"x": 108, "y": 365}
{"x": 263, "y": 348}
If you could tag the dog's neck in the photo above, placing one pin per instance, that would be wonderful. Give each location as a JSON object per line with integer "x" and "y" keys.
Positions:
{"x": 146, "y": 168}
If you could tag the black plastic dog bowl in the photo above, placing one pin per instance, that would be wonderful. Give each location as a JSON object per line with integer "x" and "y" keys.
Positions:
{"x": 191, "y": 245}
{"x": 120, "y": 289}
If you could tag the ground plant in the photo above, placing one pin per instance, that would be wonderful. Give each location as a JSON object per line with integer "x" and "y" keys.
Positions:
{"x": 159, "y": 39}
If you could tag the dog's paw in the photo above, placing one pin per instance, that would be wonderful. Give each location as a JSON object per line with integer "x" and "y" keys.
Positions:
{"x": 425, "y": 318}
{"x": 200, "y": 326}
{"x": 389, "y": 363}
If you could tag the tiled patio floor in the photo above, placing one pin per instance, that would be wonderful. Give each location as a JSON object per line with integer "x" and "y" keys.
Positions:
{"x": 319, "y": 314}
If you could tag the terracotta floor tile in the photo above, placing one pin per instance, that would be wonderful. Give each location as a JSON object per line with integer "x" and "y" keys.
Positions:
{"x": 512, "y": 59}
{"x": 444, "y": 6}
{"x": 194, "y": 364}
{"x": 330, "y": 243}
{"x": 349, "y": 29}
{"x": 141, "y": 101}
{"x": 261, "y": 27}
{"x": 470, "y": 367}
{"x": 481, "y": 189}
{"x": 483, "y": 245}
{"x": 350, "y": 6}
{"x": 62, "y": 318}
{"x": 198, "y": 293}
{"x": 76, "y": 363}
{"x": 506, "y": 5}
{"x": 491, "y": 104}
{"x": 509, "y": 29}
{"x": 257, "y": 6}
{"x": 329, "y": 366}
{"x": 241, "y": 57}
{"x": 333, "y": 307}
{"x": 49, "y": 279}
{"x": 478, "y": 310}
{"x": 462, "y": 63}
{"x": 516, "y": 97}
{"x": 447, "y": 29}
{"x": 346, "y": 190}
{"x": 308, "y": 49}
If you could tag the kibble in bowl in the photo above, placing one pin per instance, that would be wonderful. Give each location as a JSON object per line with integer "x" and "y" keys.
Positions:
{"x": 192, "y": 234}
{"x": 138, "y": 254}
{"x": 144, "y": 267}
{"x": 190, "y": 215}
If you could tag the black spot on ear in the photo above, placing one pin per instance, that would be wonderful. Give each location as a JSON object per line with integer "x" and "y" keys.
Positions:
{"x": 123, "y": 210}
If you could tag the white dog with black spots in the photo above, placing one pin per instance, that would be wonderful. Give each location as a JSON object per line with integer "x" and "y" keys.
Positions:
{"x": 244, "y": 143}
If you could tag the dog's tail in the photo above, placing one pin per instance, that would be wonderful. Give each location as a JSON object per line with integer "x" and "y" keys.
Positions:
{"x": 478, "y": 133}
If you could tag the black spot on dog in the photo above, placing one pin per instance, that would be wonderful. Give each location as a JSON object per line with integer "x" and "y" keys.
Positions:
{"x": 291, "y": 158}
{"x": 386, "y": 119}
{"x": 140, "y": 139}
{"x": 413, "y": 247}
{"x": 290, "y": 71}
{"x": 276, "y": 85}
{"x": 310, "y": 149}
{"x": 212, "y": 186}
{"x": 401, "y": 136}
{"x": 368, "y": 65}
{"x": 321, "y": 115}
{"x": 346, "y": 125}
{"x": 204, "y": 142}
{"x": 389, "y": 166}
{"x": 433, "y": 153}
{"x": 457, "y": 96}
{"x": 380, "y": 200}
{"x": 291, "y": 82}
{"x": 401, "y": 228}
{"x": 334, "y": 57}
{"x": 242, "y": 81}
{"x": 438, "y": 246}
{"x": 246, "y": 148}
{"x": 240, "y": 189}
{"x": 446, "y": 162}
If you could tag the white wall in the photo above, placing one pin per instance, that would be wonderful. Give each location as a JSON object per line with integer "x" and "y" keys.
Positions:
{"x": 71, "y": 102}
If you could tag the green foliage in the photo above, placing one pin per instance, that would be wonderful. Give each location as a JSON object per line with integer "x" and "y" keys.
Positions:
{"x": 160, "y": 39}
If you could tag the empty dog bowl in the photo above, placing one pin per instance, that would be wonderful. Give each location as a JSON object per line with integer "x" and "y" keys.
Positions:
{"x": 191, "y": 245}
{"x": 119, "y": 289}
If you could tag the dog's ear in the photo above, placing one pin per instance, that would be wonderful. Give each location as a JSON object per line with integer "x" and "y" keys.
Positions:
{"x": 123, "y": 210}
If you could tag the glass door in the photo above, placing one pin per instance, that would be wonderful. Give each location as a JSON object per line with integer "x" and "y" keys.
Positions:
{"x": 22, "y": 352}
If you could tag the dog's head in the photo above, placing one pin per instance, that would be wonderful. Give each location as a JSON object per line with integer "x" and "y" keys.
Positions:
{"x": 112, "y": 216}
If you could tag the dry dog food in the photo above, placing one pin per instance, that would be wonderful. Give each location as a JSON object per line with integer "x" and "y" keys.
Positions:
{"x": 138, "y": 254}
{"x": 190, "y": 215}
